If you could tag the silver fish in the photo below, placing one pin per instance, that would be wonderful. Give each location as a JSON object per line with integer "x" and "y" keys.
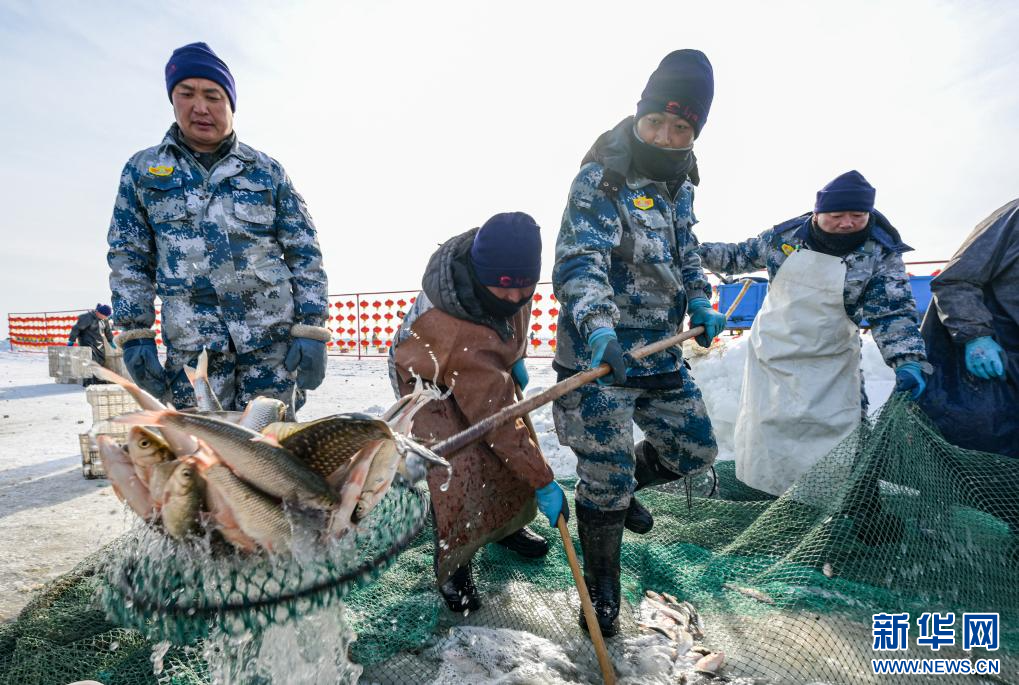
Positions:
{"x": 182, "y": 500}
{"x": 259, "y": 517}
{"x": 180, "y": 442}
{"x": 147, "y": 449}
{"x": 262, "y": 411}
{"x": 205, "y": 396}
{"x": 259, "y": 461}
{"x": 126, "y": 484}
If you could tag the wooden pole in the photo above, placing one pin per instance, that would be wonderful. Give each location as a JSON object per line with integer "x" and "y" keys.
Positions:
{"x": 593, "y": 627}
{"x": 608, "y": 672}
{"x": 514, "y": 411}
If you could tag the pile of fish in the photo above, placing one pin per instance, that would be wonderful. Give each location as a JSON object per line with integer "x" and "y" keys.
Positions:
{"x": 678, "y": 621}
{"x": 244, "y": 475}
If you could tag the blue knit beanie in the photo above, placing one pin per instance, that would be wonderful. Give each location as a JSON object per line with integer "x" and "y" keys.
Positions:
{"x": 104, "y": 309}
{"x": 197, "y": 60}
{"x": 684, "y": 85}
{"x": 507, "y": 251}
{"x": 849, "y": 192}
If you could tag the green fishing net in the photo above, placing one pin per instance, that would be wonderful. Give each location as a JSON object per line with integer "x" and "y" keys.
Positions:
{"x": 893, "y": 520}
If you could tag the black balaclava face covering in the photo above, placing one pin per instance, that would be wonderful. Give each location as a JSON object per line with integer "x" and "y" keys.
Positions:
{"x": 837, "y": 244}
{"x": 659, "y": 163}
{"x": 490, "y": 303}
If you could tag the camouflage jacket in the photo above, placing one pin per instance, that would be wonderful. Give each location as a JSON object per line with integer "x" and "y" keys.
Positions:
{"x": 877, "y": 286}
{"x": 625, "y": 260}
{"x": 232, "y": 253}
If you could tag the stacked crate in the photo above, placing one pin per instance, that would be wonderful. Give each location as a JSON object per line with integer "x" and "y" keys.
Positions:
{"x": 70, "y": 364}
{"x": 107, "y": 402}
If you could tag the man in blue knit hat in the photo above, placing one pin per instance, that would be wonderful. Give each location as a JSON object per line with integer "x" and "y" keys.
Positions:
{"x": 467, "y": 334}
{"x": 627, "y": 274}
{"x": 218, "y": 232}
{"x": 803, "y": 390}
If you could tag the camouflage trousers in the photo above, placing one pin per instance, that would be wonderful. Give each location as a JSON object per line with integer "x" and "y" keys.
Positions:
{"x": 597, "y": 423}
{"x": 237, "y": 378}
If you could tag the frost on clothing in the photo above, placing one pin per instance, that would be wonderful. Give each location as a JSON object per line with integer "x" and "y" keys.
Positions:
{"x": 628, "y": 263}
{"x": 232, "y": 253}
{"x": 876, "y": 288}
{"x": 448, "y": 341}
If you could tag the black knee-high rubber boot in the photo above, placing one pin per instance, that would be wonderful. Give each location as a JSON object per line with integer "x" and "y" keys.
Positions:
{"x": 459, "y": 591}
{"x": 601, "y": 535}
{"x": 648, "y": 470}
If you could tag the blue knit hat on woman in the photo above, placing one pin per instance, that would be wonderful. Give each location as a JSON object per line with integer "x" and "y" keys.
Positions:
{"x": 197, "y": 60}
{"x": 684, "y": 85}
{"x": 849, "y": 192}
{"x": 507, "y": 251}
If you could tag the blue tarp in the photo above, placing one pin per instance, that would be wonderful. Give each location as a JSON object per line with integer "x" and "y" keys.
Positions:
{"x": 752, "y": 301}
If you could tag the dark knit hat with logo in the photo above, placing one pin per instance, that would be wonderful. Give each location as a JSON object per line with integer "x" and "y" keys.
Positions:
{"x": 684, "y": 85}
{"x": 507, "y": 251}
{"x": 849, "y": 192}
{"x": 104, "y": 309}
{"x": 197, "y": 60}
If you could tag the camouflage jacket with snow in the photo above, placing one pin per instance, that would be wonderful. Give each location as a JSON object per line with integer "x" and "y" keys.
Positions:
{"x": 877, "y": 287}
{"x": 231, "y": 252}
{"x": 625, "y": 260}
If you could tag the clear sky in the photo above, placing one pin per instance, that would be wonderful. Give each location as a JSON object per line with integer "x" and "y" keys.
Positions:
{"x": 404, "y": 123}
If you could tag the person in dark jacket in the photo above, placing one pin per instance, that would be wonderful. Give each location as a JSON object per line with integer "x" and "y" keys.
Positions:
{"x": 90, "y": 329}
{"x": 972, "y": 338}
{"x": 466, "y": 334}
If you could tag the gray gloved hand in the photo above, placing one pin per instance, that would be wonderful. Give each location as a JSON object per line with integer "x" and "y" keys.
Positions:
{"x": 307, "y": 355}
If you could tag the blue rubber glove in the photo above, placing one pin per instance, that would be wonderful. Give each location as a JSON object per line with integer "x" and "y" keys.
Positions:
{"x": 142, "y": 363}
{"x": 552, "y": 502}
{"x": 702, "y": 314}
{"x": 70, "y": 344}
{"x": 985, "y": 358}
{"x": 605, "y": 349}
{"x": 909, "y": 378}
{"x": 519, "y": 373}
{"x": 308, "y": 357}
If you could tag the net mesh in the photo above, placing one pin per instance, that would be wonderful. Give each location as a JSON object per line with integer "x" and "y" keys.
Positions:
{"x": 893, "y": 520}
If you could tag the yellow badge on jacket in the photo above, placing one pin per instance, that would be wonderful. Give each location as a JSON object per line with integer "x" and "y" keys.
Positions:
{"x": 788, "y": 249}
{"x": 643, "y": 202}
{"x": 160, "y": 170}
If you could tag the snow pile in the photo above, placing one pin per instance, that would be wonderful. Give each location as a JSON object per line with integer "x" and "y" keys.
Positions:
{"x": 475, "y": 654}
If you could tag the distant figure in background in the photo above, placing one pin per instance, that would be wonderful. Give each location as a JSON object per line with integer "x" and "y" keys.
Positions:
{"x": 90, "y": 329}
{"x": 216, "y": 229}
{"x": 467, "y": 335}
{"x": 803, "y": 390}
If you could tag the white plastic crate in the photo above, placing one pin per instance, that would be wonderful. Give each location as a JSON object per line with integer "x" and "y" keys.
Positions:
{"x": 69, "y": 364}
{"x": 108, "y": 401}
{"x": 91, "y": 461}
